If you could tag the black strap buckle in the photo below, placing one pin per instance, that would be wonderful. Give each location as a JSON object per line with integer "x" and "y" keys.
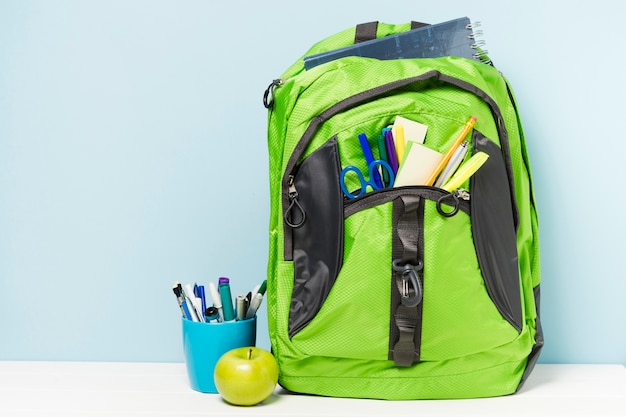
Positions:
{"x": 408, "y": 282}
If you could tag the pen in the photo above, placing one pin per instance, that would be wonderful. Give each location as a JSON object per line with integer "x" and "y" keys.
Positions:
{"x": 217, "y": 301}
{"x": 391, "y": 151}
{"x": 189, "y": 308}
{"x": 253, "y": 292}
{"x": 242, "y": 307}
{"x": 256, "y": 301}
{"x": 382, "y": 150}
{"x": 454, "y": 163}
{"x": 369, "y": 157}
{"x": 198, "y": 290}
{"x": 227, "y": 299}
{"x": 195, "y": 303}
{"x": 178, "y": 292}
{"x": 446, "y": 157}
{"x": 211, "y": 313}
{"x": 257, "y": 288}
{"x": 467, "y": 170}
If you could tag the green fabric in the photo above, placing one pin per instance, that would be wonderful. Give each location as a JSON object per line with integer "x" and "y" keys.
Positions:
{"x": 467, "y": 348}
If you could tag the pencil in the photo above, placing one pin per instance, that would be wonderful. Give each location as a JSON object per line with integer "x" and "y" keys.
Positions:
{"x": 448, "y": 154}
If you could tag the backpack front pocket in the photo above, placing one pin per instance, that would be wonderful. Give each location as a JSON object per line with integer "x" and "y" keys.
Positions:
{"x": 351, "y": 323}
{"x": 459, "y": 316}
{"x": 357, "y": 315}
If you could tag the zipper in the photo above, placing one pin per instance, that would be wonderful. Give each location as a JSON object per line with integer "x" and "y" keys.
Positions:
{"x": 458, "y": 199}
{"x": 294, "y": 204}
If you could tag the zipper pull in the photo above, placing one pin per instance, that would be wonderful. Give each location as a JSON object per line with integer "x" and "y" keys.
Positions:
{"x": 268, "y": 96}
{"x": 293, "y": 203}
{"x": 462, "y": 194}
{"x": 455, "y": 195}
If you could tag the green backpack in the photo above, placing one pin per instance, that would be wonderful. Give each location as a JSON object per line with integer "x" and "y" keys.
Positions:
{"x": 409, "y": 292}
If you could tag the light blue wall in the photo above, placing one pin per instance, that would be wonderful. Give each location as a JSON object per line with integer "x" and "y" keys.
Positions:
{"x": 133, "y": 154}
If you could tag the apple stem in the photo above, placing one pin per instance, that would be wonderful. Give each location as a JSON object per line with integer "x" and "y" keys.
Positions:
{"x": 249, "y": 354}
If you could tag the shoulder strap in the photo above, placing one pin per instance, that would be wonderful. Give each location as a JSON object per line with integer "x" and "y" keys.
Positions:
{"x": 416, "y": 25}
{"x": 367, "y": 31}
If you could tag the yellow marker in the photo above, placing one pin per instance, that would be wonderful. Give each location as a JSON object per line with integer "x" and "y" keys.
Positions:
{"x": 448, "y": 155}
{"x": 399, "y": 138}
{"x": 465, "y": 171}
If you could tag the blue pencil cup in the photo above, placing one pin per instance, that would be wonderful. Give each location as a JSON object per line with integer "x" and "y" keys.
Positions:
{"x": 205, "y": 343}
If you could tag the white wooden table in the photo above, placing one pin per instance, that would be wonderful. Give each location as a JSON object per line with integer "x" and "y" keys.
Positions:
{"x": 161, "y": 389}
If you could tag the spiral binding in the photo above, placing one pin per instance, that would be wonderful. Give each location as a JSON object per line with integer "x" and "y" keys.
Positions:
{"x": 481, "y": 54}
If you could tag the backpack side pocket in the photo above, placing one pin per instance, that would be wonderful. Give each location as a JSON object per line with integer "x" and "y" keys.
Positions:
{"x": 318, "y": 241}
{"x": 494, "y": 232}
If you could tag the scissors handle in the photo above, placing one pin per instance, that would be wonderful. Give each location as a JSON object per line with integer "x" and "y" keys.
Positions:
{"x": 342, "y": 181}
{"x": 373, "y": 174}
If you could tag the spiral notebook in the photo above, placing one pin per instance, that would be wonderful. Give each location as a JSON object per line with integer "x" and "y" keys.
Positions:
{"x": 452, "y": 38}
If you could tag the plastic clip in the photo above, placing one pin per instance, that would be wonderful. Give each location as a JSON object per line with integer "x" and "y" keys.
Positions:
{"x": 407, "y": 279}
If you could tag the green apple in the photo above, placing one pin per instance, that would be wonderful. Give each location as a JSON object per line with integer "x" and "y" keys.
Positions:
{"x": 246, "y": 376}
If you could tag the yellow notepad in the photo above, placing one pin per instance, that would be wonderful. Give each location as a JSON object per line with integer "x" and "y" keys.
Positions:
{"x": 413, "y": 131}
{"x": 417, "y": 165}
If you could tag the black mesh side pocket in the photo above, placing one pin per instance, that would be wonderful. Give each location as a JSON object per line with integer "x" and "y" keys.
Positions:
{"x": 318, "y": 243}
{"x": 493, "y": 214}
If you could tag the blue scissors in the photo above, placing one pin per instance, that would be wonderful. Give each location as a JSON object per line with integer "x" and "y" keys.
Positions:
{"x": 374, "y": 180}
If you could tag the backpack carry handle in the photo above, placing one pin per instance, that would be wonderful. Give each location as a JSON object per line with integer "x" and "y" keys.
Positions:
{"x": 367, "y": 31}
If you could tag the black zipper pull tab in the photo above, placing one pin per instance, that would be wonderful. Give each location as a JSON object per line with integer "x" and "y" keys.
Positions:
{"x": 293, "y": 203}
{"x": 268, "y": 96}
{"x": 452, "y": 199}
